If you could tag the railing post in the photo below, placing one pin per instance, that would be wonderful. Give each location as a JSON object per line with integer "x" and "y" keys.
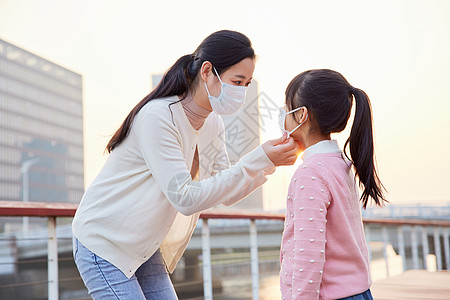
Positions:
{"x": 425, "y": 248}
{"x": 446, "y": 249}
{"x": 385, "y": 243}
{"x": 52, "y": 267}
{"x": 415, "y": 252}
{"x": 420, "y": 210}
{"x": 401, "y": 246}
{"x": 391, "y": 211}
{"x": 368, "y": 239}
{"x": 254, "y": 260}
{"x": 437, "y": 248}
{"x": 206, "y": 254}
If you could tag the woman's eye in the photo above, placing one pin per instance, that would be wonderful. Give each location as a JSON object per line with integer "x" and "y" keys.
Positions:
{"x": 237, "y": 82}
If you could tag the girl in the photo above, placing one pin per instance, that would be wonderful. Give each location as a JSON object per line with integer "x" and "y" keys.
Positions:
{"x": 167, "y": 163}
{"x": 323, "y": 252}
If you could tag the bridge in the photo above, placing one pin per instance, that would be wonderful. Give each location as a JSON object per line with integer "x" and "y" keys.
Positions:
{"x": 397, "y": 246}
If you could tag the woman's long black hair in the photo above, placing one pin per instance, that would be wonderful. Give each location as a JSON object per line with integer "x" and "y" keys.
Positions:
{"x": 222, "y": 49}
{"x": 328, "y": 97}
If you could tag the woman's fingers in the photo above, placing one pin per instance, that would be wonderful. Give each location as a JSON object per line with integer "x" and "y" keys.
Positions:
{"x": 282, "y": 151}
{"x": 279, "y": 141}
{"x": 289, "y": 145}
{"x": 289, "y": 158}
{"x": 292, "y": 159}
{"x": 289, "y": 152}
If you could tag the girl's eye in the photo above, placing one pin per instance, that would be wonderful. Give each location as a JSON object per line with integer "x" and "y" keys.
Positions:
{"x": 237, "y": 82}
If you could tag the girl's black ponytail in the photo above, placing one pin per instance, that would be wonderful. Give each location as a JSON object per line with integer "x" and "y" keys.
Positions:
{"x": 361, "y": 147}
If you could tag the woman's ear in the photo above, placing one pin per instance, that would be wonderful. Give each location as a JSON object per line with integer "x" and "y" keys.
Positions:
{"x": 205, "y": 70}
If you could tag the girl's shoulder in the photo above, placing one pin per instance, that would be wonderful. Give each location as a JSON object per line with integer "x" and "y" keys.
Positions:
{"x": 321, "y": 164}
{"x": 311, "y": 167}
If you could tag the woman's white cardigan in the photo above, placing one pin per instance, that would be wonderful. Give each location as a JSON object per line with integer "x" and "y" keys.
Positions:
{"x": 144, "y": 197}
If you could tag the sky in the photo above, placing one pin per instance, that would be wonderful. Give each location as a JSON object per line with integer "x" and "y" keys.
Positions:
{"x": 396, "y": 51}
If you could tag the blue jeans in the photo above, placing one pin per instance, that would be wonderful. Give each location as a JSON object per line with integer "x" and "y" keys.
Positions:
{"x": 104, "y": 281}
{"x": 367, "y": 295}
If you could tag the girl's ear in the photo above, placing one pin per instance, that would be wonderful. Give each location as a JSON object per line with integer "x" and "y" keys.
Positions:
{"x": 205, "y": 70}
{"x": 303, "y": 115}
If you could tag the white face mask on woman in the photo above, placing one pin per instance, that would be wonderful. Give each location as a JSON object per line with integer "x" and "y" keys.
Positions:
{"x": 282, "y": 120}
{"x": 230, "y": 100}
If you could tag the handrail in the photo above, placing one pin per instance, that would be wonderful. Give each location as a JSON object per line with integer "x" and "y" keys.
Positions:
{"x": 236, "y": 214}
{"x": 37, "y": 209}
{"x": 412, "y": 222}
{"x": 45, "y": 209}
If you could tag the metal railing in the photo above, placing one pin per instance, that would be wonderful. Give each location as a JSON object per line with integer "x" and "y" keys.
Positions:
{"x": 206, "y": 248}
{"x": 418, "y": 211}
{"x": 396, "y": 231}
{"x": 413, "y": 235}
{"x": 51, "y": 211}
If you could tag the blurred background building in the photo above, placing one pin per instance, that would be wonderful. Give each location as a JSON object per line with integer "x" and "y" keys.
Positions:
{"x": 41, "y": 130}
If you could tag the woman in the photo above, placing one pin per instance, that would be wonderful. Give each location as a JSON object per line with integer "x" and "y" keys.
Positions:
{"x": 167, "y": 163}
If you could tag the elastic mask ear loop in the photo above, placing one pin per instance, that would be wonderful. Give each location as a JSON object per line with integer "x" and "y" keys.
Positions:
{"x": 218, "y": 75}
{"x": 207, "y": 90}
{"x": 294, "y": 110}
{"x": 206, "y": 86}
{"x": 298, "y": 126}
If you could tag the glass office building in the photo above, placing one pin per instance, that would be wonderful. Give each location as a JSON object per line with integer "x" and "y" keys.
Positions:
{"x": 41, "y": 129}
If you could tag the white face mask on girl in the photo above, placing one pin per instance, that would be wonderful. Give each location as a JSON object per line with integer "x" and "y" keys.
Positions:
{"x": 230, "y": 100}
{"x": 282, "y": 120}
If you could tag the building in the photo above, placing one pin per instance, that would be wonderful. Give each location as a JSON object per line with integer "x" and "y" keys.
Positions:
{"x": 41, "y": 129}
{"x": 242, "y": 132}
{"x": 242, "y": 135}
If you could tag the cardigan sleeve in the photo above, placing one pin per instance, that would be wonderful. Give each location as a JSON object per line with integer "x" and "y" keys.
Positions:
{"x": 160, "y": 144}
{"x": 222, "y": 162}
{"x": 310, "y": 202}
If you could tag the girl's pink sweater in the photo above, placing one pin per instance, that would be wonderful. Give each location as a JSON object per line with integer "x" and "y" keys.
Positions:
{"x": 323, "y": 250}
